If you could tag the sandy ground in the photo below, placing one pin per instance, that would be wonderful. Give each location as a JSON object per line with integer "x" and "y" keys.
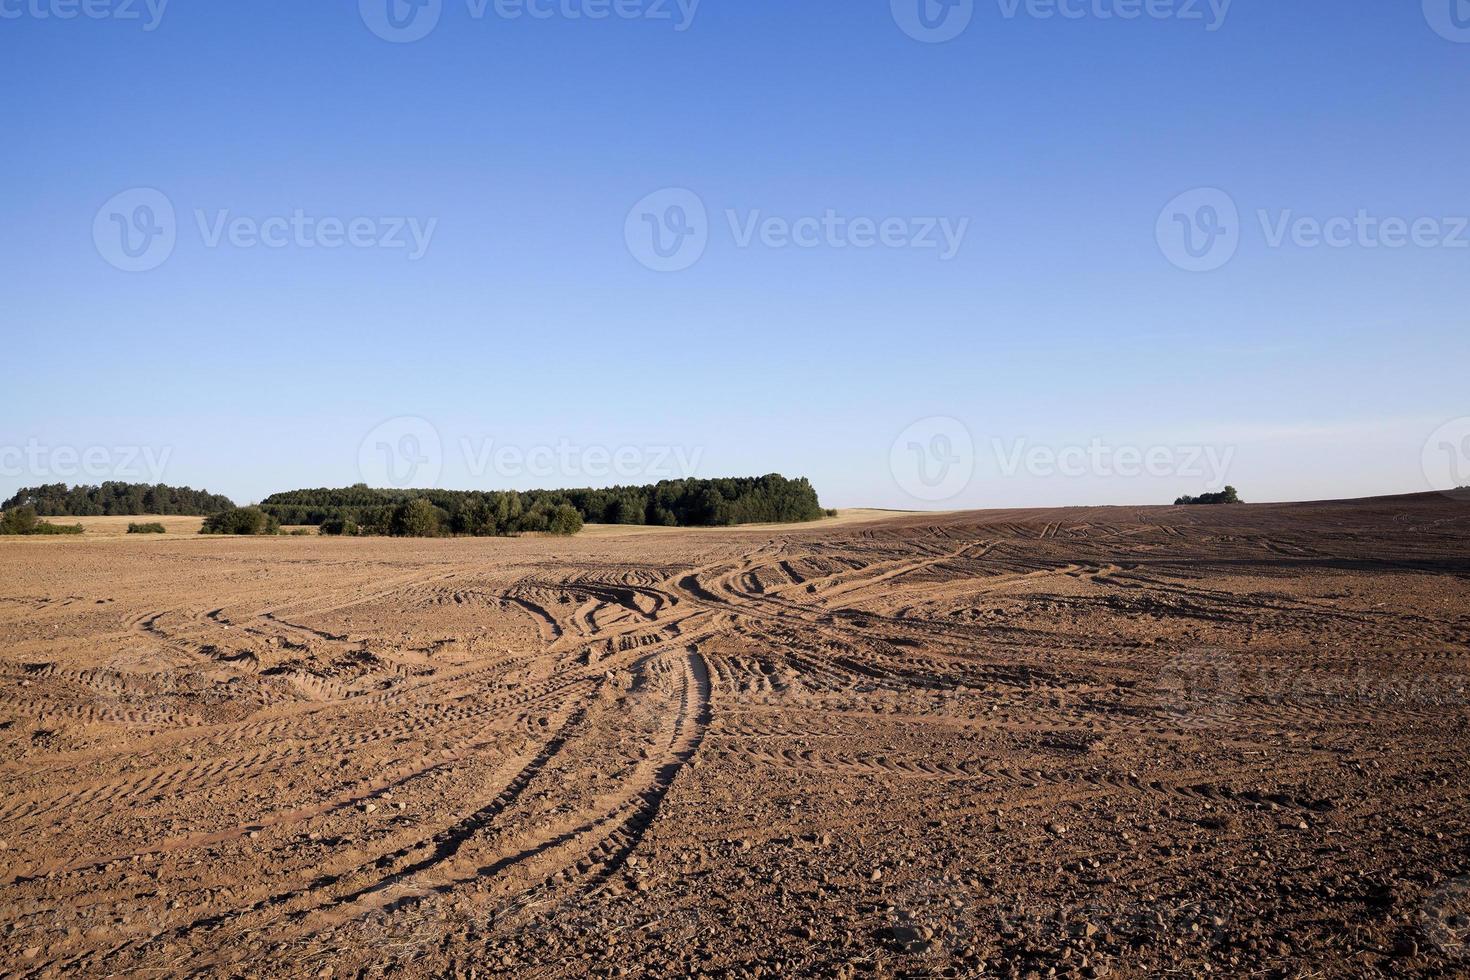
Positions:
{"x": 1082, "y": 742}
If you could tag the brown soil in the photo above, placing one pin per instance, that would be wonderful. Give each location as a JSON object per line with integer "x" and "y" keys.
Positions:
{"x": 1083, "y": 742}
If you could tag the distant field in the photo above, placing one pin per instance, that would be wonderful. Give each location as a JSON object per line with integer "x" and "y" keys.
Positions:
{"x": 117, "y": 527}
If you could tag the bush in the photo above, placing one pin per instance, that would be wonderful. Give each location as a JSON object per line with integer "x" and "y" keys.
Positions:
{"x": 45, "y": 527}
{"x": 23, "y": 520}
{"x": 341, "y": 527}
{"x": 19, "y": 520}
{"x": 1226, "y": 496}
{"x": 415, "y": 519}
{"x": 241, "y": 520}
{"x": 154, "y": 528}
{"x": 565, "y": 521}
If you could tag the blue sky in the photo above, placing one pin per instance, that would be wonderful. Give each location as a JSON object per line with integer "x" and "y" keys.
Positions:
{"x": 1063, "y": 323}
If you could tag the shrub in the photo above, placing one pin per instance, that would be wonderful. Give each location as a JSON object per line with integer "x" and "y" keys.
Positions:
{"x": 23, "y": 520}
{"x": 241, "y": 520}
{"x": 46, "y": 527}
{"x": 19, "y": 520}
{"x": 154, "y": 528}
{"x": 565, "y": 520}
{"x": 1226, "y": 496}
{"x": 416, "y": 518}
{"x": 341, "y": 527}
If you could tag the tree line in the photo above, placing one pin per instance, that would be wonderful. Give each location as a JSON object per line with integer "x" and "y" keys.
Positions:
{"x": 1226, "y": 496}
{"x": 59, "y": 500}
{"x": 360, "y": 509}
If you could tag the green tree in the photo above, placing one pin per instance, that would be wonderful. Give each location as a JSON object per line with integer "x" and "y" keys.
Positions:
{"x": 19, "y": 520}
{"x": 241, "y": 520}
{"x": 565, "y": 520}
{"x": 417, "y": 518}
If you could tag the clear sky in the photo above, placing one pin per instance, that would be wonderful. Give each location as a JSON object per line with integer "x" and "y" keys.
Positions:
{"x": 922, "y": 272}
